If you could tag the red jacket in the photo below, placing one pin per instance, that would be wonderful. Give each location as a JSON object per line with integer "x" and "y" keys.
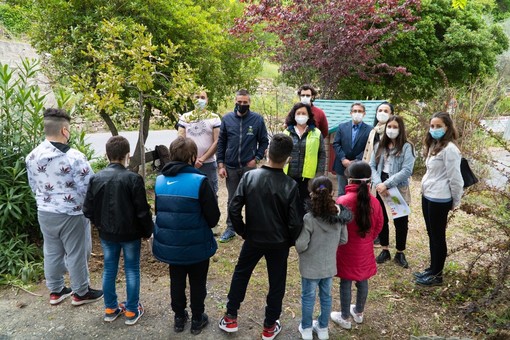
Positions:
{"x": 355, "y": 260}
{"x": 320, "y": 120}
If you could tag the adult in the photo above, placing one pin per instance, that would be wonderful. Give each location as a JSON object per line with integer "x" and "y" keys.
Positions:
{"x": 442, "y": 188}
{"x": 59, "y": 175}
{"x": 392, "y": 164}
{"x": 116, "y": 203}
{"x": 350, "y": 141}
{"x": 241, "y": 145}
{"x": 308, "y": 158}
{"x": 307, "y": 94}
{"x": 203, "y": 127}
{"x": 186, "y": 210}
{"x": 383, "y": 112}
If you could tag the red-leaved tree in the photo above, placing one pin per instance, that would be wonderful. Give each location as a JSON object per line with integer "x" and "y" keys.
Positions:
{"x": 324, "y": 41}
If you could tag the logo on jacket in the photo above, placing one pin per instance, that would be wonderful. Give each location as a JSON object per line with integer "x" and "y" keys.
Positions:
{"x": 250, "y": 131}
{"x": 170, "y": 182}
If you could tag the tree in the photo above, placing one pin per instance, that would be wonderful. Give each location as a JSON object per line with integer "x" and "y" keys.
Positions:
{"x": 326, "y": 41}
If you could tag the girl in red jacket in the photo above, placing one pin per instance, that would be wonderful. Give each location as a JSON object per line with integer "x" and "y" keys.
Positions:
{"x": 355, "y": 260}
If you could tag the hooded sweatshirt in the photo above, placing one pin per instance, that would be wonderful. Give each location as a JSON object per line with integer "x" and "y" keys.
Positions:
{"x": 318, "y": 242}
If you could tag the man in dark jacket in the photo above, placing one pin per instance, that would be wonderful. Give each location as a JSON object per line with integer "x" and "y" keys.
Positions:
{"x": 273, "y": 223}
{"x": 241, "y": 145}
{"x": 186, "y": 210}
{"x": 116, "y": 203}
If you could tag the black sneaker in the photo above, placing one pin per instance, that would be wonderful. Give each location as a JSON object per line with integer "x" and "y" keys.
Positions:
{"x": 180, "y": 322}
{"x": 430, "y": 281}
{"x": 383, "y": 256}
{"x": 56, "y": 298}
{"x": 424, "y": 273}
{"x": 198, "y": 325}
{"x": 91, "y": 296}
{"x": 400, "y": 259}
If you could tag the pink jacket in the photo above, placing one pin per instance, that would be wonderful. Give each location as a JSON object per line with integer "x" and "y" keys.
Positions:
{"x": 355, "y": 260}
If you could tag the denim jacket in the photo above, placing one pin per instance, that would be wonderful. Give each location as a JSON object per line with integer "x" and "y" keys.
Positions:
{"x": 401, "y": 167}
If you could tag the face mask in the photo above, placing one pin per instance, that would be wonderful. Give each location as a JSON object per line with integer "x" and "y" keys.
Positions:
{"x": 301, "y": 120}
{"x": 437, "y": 133}
{"x": 306, "y": 100}
{"x": 392, "y": 133}
{"x": 383, "y": 117}
{"x": 242, "y": 109}
{"x": 201, "y": 103}
{"x": 357, "y": 117}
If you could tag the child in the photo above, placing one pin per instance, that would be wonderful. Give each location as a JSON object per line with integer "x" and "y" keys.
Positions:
{"x": 355, "y": 260}
{"x": 392, "y": 164}
{"x": 324, "y": 229}
{"x": 186, "y": 210}
{"x": 116, "y": 203}
{"x": 273, "y": 223}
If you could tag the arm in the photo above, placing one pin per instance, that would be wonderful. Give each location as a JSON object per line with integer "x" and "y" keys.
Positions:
{"x": 295, "y": 218}
{"x": 407, "y": 167}
{"x": 220, "y": 149}
{"x": 181, "y": 131}
{"x": 214, "y": 146}
{"x": 321, "y": 165}
{"x": 304, "y": 237}
{"x": 235, "y": 209}
{"x": 142, "y": 208}
{"x": 337, "y": 144}
{"x": 82, "y": 172}
{"x": 209, "y": 204}
{"x": 452, "y": 163}
{"x": 262, "y": 140}
{"x": 376, "y": 179}
{"x": 88, "y": 204}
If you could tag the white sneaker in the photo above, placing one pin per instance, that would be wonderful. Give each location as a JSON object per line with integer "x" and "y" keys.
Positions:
{"x": 337, "y": 318}
{"x": 358, "y": 317}
{"x": 306, "y": 333}
{"x": 322, "y": 333}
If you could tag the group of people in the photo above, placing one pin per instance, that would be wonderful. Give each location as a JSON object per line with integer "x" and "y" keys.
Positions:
{"x": 286, "y": 202}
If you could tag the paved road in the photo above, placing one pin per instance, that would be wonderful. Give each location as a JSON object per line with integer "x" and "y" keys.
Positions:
{"x": 98, "y": 140}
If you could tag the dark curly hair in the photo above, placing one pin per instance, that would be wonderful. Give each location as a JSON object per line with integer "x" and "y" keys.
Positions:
{"x": 322, "y": 203}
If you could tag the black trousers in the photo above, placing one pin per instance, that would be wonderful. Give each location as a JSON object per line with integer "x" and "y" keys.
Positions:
{"x": 304, "y": 194}
{"x": 436, "y": 218}
{"x": 401, "y": 229}
{"x": 197, "y": 274}
{"x": 276, "y": 260}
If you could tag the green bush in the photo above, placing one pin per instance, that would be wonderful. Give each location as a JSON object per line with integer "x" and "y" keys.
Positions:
{"x": 15, "y": 19}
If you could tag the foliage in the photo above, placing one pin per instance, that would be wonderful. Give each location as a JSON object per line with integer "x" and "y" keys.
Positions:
{"x": 326, "y": 41}
{"x": 14, "y": 18}
{"x": 447, "y": 48}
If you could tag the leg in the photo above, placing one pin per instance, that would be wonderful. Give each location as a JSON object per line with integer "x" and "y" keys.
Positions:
{"x": 361, "y": 295}
{"x": 178, "y": 276}
{"x": 232, "y": 181}
{"x": 345, "y": 297}
{"x": 111, "y": 254}
{"x": 75, "y": 236}
{"x": 438, "y": 221}
{"x": 53, "y": 250}
{"x": 308, "y": 288}
{"x": 425, "y": 207}
{"x": 342, "y": 182}
{"x": 210, "y": 170}
{"x": 248, "y": 259}
{"x": 276, "y": 260}
{"x": 401, "y": 229}
{"x": 304, "y": 194}
{"x": 385, "y": 232}
{"x": 325, "y": 298}
{"x": 197, "y": 286}
{"x": 131, "y": 252}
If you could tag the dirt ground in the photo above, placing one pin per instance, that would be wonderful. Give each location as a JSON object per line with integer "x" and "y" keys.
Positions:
{"x": 396, "y": 308}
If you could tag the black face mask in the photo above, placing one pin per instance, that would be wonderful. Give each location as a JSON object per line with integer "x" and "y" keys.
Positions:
{"x": 242, "y": 109}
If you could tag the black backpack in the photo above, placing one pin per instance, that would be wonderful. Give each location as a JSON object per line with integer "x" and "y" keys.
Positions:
{"x": 160, "y": 157}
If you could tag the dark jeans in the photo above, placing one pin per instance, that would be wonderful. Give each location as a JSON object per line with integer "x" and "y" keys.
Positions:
{"x": 345, "y": 296}
{"x": 234, "y": 176}
{"x": 276, "y": 261}
{"x": 304, "y": 194}
{"x": 436, "y": 217}
{"x": 401, "y": 228}
{"x": 197, "y": 274}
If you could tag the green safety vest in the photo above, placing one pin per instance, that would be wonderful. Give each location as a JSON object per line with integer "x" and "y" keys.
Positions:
{"x": 313, "y": 142}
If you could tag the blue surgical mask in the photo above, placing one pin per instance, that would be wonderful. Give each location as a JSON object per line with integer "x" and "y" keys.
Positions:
{"x": 437, "y": 133}
{"x": 201, "y": 103}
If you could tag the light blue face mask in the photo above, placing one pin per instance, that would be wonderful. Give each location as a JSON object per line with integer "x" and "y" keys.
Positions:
{"x": 437, "y": 133}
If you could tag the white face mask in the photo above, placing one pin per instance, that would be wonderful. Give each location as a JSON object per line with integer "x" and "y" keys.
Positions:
{"x": 201, "y": 103}
{"x": 306, "y": 100}
{"x": 357, "y": 117}
{"x": 383, "y": 117}
{"x": 391, "y": 133}
{"x": 301, "y": 120}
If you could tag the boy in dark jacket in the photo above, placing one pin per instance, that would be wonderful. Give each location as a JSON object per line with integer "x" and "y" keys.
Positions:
{"x": 186, "y": 210}
{"x": 116, "y": 203}
{"x": 273, "y": 223}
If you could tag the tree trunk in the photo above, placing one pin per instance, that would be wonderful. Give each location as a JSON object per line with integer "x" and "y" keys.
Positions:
{"x": 136, "y": 159}
{"x": 109, "y": 123}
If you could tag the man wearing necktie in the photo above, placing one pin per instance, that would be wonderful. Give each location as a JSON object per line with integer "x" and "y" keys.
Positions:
{"x": 350, "y": 140}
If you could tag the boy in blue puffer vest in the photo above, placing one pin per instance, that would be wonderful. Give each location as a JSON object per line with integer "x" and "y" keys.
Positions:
{"x": 186, "y": 210}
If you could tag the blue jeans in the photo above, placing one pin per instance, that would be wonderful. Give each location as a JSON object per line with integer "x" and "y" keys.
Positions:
{"x": 345, "y": 296}
{"x": 131, "y": 251}
{"x": 308, "y": 288}
{"x": 211, "y": 171}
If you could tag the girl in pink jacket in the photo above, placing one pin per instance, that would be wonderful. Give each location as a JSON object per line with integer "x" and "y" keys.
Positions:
{"x": 355, "y": 260}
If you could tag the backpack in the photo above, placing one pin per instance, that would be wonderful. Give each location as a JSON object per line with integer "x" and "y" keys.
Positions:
{"x": 160, "y": 157}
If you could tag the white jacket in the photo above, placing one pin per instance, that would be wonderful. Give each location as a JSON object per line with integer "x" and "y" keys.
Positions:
{"x": 443, "y": 179}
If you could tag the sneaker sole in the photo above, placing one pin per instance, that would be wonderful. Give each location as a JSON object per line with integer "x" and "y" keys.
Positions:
{"x": 83, "y": 302}
{"x": 60, "y": 299}
{"x": 226, "y": 240}
{"x": 274, "y": 334}
{"x": 228, "y": 330}
{"x": 133, "y": 321}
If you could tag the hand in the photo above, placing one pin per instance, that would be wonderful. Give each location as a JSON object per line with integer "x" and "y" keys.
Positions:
{"x": 199, "y": 163}
{"x": 382, "y": 189}
{"x": 252, "y": 164}
{"x": 222, "y": 172}
{"x": 346, "y": 163}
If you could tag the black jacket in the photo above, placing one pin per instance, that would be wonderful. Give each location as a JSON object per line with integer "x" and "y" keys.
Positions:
{"x": 116, "y": 203}
{"x": 271, "y": 201}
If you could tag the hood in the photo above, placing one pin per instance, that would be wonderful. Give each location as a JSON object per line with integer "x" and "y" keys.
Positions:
{"x": 173, "y": 168}
{"x": 344, "y": 216}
